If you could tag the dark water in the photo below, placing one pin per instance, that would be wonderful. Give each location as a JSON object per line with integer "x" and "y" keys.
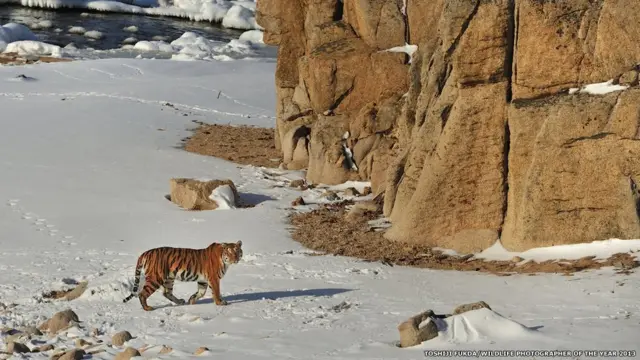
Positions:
{"x": 111, "y": 25}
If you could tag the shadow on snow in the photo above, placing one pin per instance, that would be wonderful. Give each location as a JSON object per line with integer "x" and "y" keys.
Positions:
{"x": 275, "y": 295}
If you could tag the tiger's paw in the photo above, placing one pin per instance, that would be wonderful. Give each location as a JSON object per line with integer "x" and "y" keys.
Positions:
{"x": 181, "y": 302}
{"x": 147, "y": 308}
{"x": 192, "y": 301}
{"x": 221, "y": 302}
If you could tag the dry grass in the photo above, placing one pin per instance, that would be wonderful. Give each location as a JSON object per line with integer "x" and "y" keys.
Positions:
{"x": 15, "y": 59}
{"x": 240, "y": 144}
{"x": 327, "y": 230}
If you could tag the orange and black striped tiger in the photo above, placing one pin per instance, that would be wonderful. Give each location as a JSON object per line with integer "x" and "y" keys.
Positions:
{"x": 163, "y": 265}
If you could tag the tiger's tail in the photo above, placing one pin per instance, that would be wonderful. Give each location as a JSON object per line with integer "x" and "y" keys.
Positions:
{"x": 136, "y": 281}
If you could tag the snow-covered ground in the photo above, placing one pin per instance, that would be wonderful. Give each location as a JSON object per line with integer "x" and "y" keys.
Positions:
{"x": 87, "y": 149}
{"x": 236, "y": 14}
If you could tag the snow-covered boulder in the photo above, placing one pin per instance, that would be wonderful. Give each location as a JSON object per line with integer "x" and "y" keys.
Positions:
{"x": 192, "y": 194}
{"x": 14, "y": 32}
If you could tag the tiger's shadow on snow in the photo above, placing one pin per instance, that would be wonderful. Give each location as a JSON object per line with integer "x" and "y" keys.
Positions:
{"x": 276, "y": 295}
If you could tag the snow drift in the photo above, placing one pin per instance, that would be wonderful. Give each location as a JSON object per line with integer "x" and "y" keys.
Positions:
{"x": 14, "y": 32}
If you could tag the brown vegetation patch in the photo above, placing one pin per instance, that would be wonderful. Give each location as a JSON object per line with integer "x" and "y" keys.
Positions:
{"x": 244, "y": 145}
{"x": 327, "y": 229}
{"x": 15, "y": 59}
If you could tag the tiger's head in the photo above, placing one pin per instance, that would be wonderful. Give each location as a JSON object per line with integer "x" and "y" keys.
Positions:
{"x": 231, "y": 253}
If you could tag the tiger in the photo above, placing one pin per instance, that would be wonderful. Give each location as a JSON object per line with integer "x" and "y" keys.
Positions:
{"x": 163, "y": 265}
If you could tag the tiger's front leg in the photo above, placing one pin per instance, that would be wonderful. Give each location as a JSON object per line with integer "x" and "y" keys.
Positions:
{"x": 215, "y": 289}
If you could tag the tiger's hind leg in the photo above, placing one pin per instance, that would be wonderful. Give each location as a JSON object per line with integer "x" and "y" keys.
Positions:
{"x": 168, "y": 292}
{"x": 202, "y": 289}
{"x": 150, "y": 286}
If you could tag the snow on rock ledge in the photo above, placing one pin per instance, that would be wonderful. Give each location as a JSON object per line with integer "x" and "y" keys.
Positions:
{"x": 192, "y": 194}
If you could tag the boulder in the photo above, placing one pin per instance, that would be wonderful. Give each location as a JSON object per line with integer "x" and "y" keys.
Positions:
{"x": 200, "y": 350}
{"x": 191, "y": 194}
{"x": 60, "y": 321}
{"x": 127, "y": 354}
{"x": 75, "y": 354}
{"x": 119, "y": 338}
{"x": 414, "y": 330}
{"x": 469, "y": 307}
{"x": 16, "y": 347}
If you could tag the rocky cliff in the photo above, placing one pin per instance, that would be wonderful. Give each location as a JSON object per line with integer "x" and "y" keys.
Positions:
{"x": 479, "y": 134}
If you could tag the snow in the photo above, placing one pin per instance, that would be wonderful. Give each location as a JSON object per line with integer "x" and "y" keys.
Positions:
{"x": 29, "y": 47}
{"x": 93, "y": 34}
{"x": 43, "y": 24}
{"x": 224, "y": 197}
{"x": 131, "y": 28}
{"x": 407, "y": 49}
{"x": 600, "y": 249}
{"x": 599, "y": 88}
{"x": 85, "y": 173}
{"x": 237, "y": 14}
{"x": 77, "y": 30}
{"x": 14, "y": 32}
{"x": 481, "y": 326}
{"x": 191, "y": 46}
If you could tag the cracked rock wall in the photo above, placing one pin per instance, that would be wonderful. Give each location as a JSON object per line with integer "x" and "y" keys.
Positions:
{"x": 478, "y": 138}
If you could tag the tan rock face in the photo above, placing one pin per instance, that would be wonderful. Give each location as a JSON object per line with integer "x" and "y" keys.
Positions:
{"x": 478, "y": 138}
{"x": 379, "y": 23}
{"x": 447, "y": 188}
{"x": 573, "y": 168}
{"x": 560, "y": 44}
{"x": 193, "y": 194}
{"x": 330, "y": 65}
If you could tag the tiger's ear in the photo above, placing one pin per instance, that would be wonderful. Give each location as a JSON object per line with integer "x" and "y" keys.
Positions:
{"x": 239, "y": 243}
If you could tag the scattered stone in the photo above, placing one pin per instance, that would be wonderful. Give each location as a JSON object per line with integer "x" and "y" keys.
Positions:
{"x": 469, "y": 307}
{"x": 366, "y": 191}
{"x": 120, "y": 338}
{"x": 411, "y": 334}
{"x": 14, "y": 335}
{"x": 60, "y": 321}
{"x": 517, "y": 259}
{"x": 330, "y": 195}
{"x": 191, "y": 194}
{"x": 75, "y": 354}
{"x": 200, "y": 350}
{"x": 80, "y": 343}
{"x": 43, "y": 348}
{"x": 351, "y": 192}
{"x": 298, "y": 201}
{"x": 77, "y": 291}
{"x": 300, "y": 183}
{"x": 16, "y": 347}
{"x": 31, "y": 330}
{"x": 127, "y": 354}
{"x": 165, "y": 350}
